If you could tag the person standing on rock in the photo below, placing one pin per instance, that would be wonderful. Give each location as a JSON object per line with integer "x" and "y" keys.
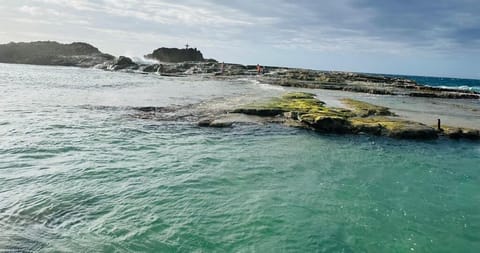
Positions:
{"x": 259, "y": 69}
{"x": 222, "y": 67}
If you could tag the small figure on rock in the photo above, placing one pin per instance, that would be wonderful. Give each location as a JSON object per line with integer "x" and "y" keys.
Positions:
{"x": 259, "y": 69}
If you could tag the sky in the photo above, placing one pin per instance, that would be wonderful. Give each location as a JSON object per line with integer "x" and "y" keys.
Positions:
{"x": 416, "y": 37}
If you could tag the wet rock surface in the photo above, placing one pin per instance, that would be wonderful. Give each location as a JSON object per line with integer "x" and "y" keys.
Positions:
{"x": 124, "y": 62}
{"x": 356, "y": 82}
{"x": 364, "y": 118}
{"x": 303, "y": 110}
{"x": 301, "y": 78}
{"x": 190, "y": 61}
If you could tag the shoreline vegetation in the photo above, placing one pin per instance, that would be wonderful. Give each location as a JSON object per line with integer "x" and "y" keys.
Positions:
{"x": 298, "y": 109}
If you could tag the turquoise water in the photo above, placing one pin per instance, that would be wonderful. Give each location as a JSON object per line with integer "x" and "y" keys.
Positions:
{"x": 78, "y": 173}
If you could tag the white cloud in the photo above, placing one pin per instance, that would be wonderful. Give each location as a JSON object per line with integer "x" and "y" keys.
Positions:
{"x": 29, "y": 10}
{"x": 251, "y": 28}
{"x": 48, "y": 16}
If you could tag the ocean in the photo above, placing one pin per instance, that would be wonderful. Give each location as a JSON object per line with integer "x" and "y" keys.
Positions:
{"x": 80, "y": 173}
{"x": 445, "y": 82}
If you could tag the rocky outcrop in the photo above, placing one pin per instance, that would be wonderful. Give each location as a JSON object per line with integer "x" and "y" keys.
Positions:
{"x": 460, "y": 133}
{"x": 304, "y": 110}
{"x": 190, "y": 61}
{"x": 53, "y": 53}
{"x": 176, "y": 55}
{"x": 365, "y": 83}
{"x": 301, "y": 78}
{"x": 122, "y": 63}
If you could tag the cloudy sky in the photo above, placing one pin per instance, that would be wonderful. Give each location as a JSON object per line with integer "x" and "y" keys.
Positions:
{"x": 422, "y": 37}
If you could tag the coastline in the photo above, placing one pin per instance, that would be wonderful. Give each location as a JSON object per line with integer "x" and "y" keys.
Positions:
{"x": 456, "y": 115}
{"x": 417, "y": 107}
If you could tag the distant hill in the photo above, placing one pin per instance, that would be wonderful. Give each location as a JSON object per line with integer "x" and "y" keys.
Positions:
{"x": 53, "y": 53}
{"x": 176, "y": 55}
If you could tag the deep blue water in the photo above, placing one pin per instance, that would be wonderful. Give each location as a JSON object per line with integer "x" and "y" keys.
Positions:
{"x": 468, "y": 84}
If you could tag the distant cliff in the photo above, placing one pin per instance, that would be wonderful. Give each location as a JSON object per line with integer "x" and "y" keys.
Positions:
{"x": 53, "y": 53}
{"x": 176, "y": 55}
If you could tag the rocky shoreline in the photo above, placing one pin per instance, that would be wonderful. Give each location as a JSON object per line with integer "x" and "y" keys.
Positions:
{"x": 299, "y": 78}
{"x": 304, "y": 110}
{"x": 77, "y": 54}
{"x": 188, "y": 61}
{"x": 294, "y": 109}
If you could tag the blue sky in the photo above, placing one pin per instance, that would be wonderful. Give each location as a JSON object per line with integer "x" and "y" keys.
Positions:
{"x": 422, "y": 37}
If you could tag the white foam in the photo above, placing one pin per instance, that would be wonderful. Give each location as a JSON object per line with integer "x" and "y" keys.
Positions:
{"x": 264, "y": 86}
{"x": 140, "y": 59}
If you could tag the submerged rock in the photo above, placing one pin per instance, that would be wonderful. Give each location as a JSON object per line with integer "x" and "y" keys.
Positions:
{"x": 152, "y": 68}
{"x": 326, "y": 124}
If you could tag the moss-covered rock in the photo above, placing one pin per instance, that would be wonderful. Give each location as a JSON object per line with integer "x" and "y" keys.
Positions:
{"x": 298, "y": 102}
{"x": 365, "y": 109}
{"x": 326, "y": 123}
{"x": 460, "y": 133}
{"x": 393, "y": 127}
{"x": 304, "y": 110}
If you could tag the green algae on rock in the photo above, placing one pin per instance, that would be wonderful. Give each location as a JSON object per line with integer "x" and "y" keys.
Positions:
{"x": 393, "y": 127}
{"x": 304, "y": 110}
{"x": 460, "y": 133}
{"x": 299, "y": 103}
{"x": 365, "y": 109}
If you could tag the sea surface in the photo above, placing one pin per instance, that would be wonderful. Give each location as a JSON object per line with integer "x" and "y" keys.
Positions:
{"x": 445, "y": 82}
{"x": 80, "y": 173}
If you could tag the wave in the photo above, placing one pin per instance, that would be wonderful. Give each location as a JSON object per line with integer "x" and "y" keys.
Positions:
{"x": 264, "y": 86}
{"x": 141, "y": 59}
{"x": 461, "y": 87}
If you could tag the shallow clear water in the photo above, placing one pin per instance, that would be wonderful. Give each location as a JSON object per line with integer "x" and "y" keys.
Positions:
{"x": 79, "y": 174}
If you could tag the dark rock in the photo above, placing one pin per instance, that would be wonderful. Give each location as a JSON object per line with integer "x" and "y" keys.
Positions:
{"x": 393, "y": 127}
{"x": 205, "y": 122}
{"x": 416, "y": 131}
{"x": 471, "y": 134}
{"x": 217, "y": 123}
{"x": 263, "y": 112}
{"x": 155, "y": 109}
{"x": 124, "y": 62}
{"x": 53, "y": 53}
{"x": 326, "y": 124}
{"x": 152, "y": 68}
{"x": 221, "y": 124}
{"x": 460, "y": 133}
{"x": 175, "y": 55}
